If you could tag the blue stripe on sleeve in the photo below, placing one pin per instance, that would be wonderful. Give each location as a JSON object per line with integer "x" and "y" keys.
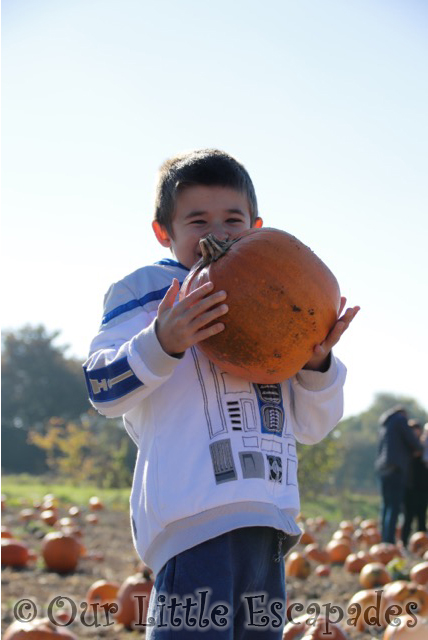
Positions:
{"x": 111, "y": 382}
{"x": 133, "y": 304}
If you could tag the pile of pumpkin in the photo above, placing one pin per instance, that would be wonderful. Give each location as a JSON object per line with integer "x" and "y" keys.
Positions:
{"x": 356, "y": 546}
{"x": 61, "y": 550}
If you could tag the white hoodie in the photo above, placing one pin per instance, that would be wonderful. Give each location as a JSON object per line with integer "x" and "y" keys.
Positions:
{"x": 215, "y": 452}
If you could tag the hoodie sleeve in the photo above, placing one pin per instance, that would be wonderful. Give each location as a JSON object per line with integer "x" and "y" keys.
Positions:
{"x": 126, "y": 361}
{"x": 317, "y": 402}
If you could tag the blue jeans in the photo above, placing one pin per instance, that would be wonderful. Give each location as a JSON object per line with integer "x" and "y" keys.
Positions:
{"x": 228, "y": 588}
{"x": 392, "y": 486}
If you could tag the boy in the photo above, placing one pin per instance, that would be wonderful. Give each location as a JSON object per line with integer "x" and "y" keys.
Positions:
{"x": 214, "y": 496}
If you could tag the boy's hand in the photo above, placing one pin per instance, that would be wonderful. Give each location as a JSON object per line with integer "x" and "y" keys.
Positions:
{"x": 180, "y": 326}
{"x": 319, "y": 360}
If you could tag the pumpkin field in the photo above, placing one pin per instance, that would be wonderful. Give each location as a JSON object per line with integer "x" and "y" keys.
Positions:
{"x": 64, "y": 560}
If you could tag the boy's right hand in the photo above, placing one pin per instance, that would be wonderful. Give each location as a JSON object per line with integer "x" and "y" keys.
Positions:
{"x": 180, "y": 326}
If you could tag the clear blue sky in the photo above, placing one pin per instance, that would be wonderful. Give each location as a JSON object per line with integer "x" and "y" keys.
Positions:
{"x": 325, "y": 102}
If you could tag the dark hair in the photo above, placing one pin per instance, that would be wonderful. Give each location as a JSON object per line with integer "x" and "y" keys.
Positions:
{"x": 205, "y": 167}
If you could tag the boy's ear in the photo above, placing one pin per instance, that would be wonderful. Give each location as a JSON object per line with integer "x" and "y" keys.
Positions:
{"x": 258, "y": 223}
{"x": 161, "y": 234}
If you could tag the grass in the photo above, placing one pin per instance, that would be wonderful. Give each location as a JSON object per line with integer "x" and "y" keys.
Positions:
{"x": 342, "y": 506}
{"x": 24, "y": 489}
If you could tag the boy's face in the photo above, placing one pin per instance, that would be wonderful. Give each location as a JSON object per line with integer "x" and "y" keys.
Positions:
{"x": 199, "y": 211}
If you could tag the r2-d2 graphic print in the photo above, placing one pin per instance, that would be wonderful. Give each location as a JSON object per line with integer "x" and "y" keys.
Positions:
{"x": 271, "y": 409}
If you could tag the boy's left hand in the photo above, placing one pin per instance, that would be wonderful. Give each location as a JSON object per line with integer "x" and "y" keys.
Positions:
{"x": 319, "y": 360}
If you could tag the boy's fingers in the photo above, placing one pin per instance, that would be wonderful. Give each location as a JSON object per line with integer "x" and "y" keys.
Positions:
{"x": 342, "y": 305}
{"x": 169, "y": 297}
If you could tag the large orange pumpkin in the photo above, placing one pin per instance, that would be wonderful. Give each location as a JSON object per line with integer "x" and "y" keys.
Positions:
{"x": 282, "y": 301}
{"x": 61, "y": 552}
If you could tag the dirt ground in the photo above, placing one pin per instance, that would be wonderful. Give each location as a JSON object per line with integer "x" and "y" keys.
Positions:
{"x": 110, "y": 555}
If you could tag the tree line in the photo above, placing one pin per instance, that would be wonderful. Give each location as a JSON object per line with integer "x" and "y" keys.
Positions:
{"x": 48, "y": 426}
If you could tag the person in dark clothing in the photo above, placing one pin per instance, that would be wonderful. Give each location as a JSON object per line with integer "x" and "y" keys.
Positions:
{"x": 416, "y": 491}
{"x": 397, "y": 445}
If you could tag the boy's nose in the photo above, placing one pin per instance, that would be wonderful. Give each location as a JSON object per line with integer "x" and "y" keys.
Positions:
{"x": 219, "y": 232}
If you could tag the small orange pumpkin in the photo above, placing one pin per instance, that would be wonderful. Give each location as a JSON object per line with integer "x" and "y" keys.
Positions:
{"x": 129, "y": 604}
{"x": 356, "y": 561}
{"x": 408, "y": 629}
{"x": 316, "y": 553}
{"x": 14, "y": 553}
{"x": 384, "y": 552}
{"x": 338, "y": 550}
{"x": 404, "y": 591}
{"x": 320, "y": 629}
{"x": 37, "y": 629}
{"x": 419, "y": 573}
{"x": 374, "y": 574}
{"x": 102, "y": 591}
{"x": 297, "y": 565}
{"x": 418, "y": 543}
{"x": 364, "y": 608}
{"x": 61, "y": 552}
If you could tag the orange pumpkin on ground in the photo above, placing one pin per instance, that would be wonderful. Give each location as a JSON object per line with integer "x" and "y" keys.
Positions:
{"x": 102, "y": 591}
{"x": 347, "y": 525}
{"x": 374, "y": 574}
{"x": 418, "y": 543}
{"x": 297, "y": 565}
{"x": 295, "y": 293}
{"x": 315, "y": 553}
{"x": 306, "y": 537}
{"x": 133, "y": 601}
{"x": 384, "y": 552}
{"x": 356, "y": 561}
{"x": 38, "y": 629}
{"x": 49, "y": 516}
{"x": 408, "y": 629}
{"x": 419, "y": 573}
{"x": 322, "y": 570}
{"x": 366, "y": 609}
{"x": 338, "y": 550}
{"x": 95, "y": 503}
{"x": 14, "y": 553}
{"x": 61, "y": 552}
{"x": 404, "y": 591}
{"x": 321, "y": 629}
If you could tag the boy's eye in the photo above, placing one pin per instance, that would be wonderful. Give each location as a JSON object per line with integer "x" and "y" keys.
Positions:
{"x": 234, "y": 220}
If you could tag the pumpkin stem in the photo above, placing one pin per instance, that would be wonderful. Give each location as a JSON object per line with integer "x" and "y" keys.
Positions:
{"x": 212, "y": 248}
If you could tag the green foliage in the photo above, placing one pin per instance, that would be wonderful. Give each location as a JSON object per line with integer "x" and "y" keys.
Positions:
{"x": 317, "y": 464}
{"x": 88, "y": 450}
{"x": 38, "y": 381}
